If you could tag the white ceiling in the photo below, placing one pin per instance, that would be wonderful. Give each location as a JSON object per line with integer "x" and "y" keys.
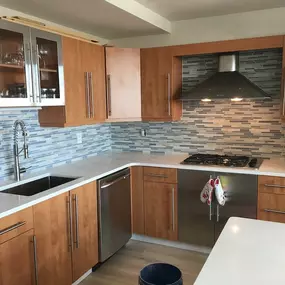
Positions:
{"x": 112, "y": 19}
{"x": 95, "y": 17}
{"x": 176, "y": 10}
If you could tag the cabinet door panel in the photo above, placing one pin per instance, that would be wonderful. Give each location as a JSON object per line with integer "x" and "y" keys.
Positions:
{"x": 124, "y": 83}
{"x": 47, "y": 67}
{"x": 85, "y": 253}
{"x": 160, "y": 202}
{"x": 51, "y": 220}
{"x": 93, "y": 62}
{"x": 271, "y": 207}
{"x": 15, "y": 66}
{"x": 17, "y": 260}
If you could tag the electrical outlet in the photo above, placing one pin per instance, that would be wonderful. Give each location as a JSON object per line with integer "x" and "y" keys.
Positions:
{"x": 143, "y": 132}
{"x": 79, "y": 138}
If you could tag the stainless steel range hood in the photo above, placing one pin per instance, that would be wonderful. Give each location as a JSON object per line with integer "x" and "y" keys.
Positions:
{"x": 227, "y": 83}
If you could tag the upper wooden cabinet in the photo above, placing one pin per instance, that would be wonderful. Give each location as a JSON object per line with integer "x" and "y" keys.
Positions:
{"x": 123, "y": 84}
{"x": 84, "y": 78}
{"x": 31, "y": 71}
{"x": 161, "y": 80}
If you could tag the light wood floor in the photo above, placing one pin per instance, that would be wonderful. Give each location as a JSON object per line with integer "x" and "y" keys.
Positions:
{"x": 124, "y": 267}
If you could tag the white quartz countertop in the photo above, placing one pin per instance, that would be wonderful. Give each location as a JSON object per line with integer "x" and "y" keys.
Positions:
{"x": 96, "y": 167}
{"x": 248, "y": 252}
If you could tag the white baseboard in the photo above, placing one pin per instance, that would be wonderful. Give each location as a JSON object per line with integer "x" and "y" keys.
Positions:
{"x": 175, "y": 244}
{"x": 82, "y": 277}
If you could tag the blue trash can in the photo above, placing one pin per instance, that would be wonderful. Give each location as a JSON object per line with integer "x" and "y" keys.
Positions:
{"x": 160, "y": 274}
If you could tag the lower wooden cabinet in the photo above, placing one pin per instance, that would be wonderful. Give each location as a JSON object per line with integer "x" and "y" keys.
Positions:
{"x": 85, "y": 238}
{"x": 17, "y": 260}
{"x": 51, "y": 223}
{"x": 271, "y": 199}
{"x": 67, "y": 235}
{"x": 160, "y": 210}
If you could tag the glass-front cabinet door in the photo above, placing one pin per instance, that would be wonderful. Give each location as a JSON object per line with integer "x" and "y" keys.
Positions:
{"x": 15, "y": 66}
{"x": 48, "y": 78}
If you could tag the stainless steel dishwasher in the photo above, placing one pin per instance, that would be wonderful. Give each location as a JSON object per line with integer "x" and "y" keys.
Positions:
{"x": 114, "y": 198}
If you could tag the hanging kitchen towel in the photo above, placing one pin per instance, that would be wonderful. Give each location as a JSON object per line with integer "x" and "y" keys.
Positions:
{"x": 207, "y": 192}
{"x": 219, "y": 192}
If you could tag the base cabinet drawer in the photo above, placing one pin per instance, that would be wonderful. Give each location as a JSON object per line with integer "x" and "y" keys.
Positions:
{"x": 271, "y": 184}
{"x": 271, "y": 207}
{"x": 159, "y": 174}
{"x": 16, "y": 224}
{"x": 17, "y": 260}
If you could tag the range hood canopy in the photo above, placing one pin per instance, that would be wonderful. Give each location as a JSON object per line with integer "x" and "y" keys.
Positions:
{"x": 227, "y": 83}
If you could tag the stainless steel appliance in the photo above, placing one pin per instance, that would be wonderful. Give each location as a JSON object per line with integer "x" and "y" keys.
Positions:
{"x": 114, "y": 198}
{"x": 227, "y": 83}
{"x": 223, "y": 160}
{"x": 200, "y": 224}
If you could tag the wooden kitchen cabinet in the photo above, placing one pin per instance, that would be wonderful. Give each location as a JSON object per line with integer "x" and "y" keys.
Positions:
{"x": 17, "y": 260}
{"x": 85, "y": 237}
{"x": 161, "y": 80}
{"x": 160, "y": 210}
{"x": 271, "y": 199}
{"x": 85, "y": 92}
{"x": 53, "y": 232}
{"x": 123, "y": 84}
{"x": 67, "y": 235}
{"x": 137, "y": 200}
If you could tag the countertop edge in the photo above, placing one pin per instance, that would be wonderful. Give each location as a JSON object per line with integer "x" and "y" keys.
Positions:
{"x": 85, "y": 180}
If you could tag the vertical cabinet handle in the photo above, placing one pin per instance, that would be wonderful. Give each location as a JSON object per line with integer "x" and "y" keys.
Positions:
{"x": 34, "y": 241}
{"x": 70, "y": 229}
{"x": 210, "y": 211}
{"x": 75, "y": 199}
{"x": 91, "y": 94}
{"x": 39, "y": 74}
{"x": 169, "y": 94}
{"x": 218, "y": 213}
{"x": 173, "y": 209}
{"x": 109, "y": 107}
{"x": 87, "y": 94}
{"x": 28, "y": 54}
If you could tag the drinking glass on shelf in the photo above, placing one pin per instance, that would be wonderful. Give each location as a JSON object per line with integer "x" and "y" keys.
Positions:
{"x": 43, "y": 53}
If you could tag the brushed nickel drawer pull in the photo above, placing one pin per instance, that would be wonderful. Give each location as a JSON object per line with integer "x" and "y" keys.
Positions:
{"x": 87, "y": 94}
{"x": 168, "y": 94}
{"x": 274, "y": 211}
{"x": 173, "y": 210}
{"x": 13, "y": 227}
{"x": 274, "y": 186}
{"x": 75, "y": 199}
{"x": 156, "y": 175}
{"x": 36, "y": 260}
{"x": 70, "y": 227}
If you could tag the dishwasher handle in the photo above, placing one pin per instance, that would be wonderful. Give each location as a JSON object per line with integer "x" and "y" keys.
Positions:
{"x": 114, "y": 181}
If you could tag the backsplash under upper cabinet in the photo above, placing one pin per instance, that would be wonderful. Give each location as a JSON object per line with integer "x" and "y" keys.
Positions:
{"x": 49, "y": 147}
{"x": 247, "y": 127}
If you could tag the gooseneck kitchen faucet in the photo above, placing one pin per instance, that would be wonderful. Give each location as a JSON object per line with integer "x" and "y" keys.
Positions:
{"x": 16, "y": 151}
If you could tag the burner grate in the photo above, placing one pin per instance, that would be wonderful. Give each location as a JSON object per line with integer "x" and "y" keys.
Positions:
{"x": 214, "y": 159}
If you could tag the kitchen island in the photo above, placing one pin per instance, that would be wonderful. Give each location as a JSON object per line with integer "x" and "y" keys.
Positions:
{"x": 248, "y": 252}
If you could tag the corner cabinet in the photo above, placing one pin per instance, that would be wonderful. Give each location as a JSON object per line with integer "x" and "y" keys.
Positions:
{"x": 161, "y": 80}
{"x": 31, "y": 71}
{"x": 84, "y": 83}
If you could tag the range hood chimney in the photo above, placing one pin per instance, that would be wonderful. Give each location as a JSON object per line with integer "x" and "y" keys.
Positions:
{"x": 227, "y": 83}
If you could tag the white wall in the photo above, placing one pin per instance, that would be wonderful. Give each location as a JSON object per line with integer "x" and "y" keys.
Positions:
{"x": 9, "y": 13}
{"x": 235, "y": 26}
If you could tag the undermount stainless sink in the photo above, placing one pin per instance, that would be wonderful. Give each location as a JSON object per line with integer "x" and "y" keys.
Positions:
{"x": 38, "y": 186}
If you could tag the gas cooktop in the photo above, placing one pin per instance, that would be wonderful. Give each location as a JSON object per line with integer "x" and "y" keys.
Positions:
{"x": 222, "y": 160}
